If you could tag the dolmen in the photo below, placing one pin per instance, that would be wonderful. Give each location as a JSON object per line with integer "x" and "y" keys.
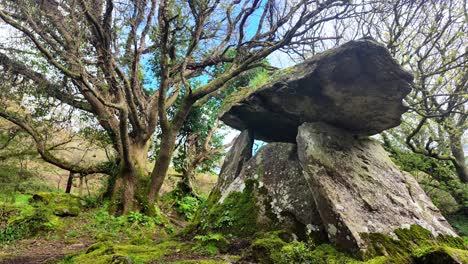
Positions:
{"x": 320, "y": 174}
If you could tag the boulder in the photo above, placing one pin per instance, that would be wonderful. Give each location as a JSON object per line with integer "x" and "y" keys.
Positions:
{"x": 274, "y": 184}
{"x": 358, "y": 190}
{"x": 357, "y": 86}
{"x": 284, "y": 190}
{"x": 240, "y": 152}
{"x": 61, "y": 204}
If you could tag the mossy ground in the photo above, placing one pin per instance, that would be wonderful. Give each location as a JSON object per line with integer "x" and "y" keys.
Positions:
{"x": 414, "y": 246}
{"x": 95, "y": 236}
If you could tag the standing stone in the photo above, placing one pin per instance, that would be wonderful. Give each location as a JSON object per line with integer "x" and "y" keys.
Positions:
{"x": 282, "y": 194}
{"x": 357, "y": 188}
{"x": 240, "y": 152}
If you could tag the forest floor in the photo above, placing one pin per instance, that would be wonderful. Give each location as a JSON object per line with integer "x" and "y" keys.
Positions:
{"x": 95, "y": 236}
{"x": 69, "y": 236}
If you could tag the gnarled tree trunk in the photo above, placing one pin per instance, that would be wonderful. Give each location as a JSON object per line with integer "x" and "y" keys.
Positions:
{"x": 130, "y": 189}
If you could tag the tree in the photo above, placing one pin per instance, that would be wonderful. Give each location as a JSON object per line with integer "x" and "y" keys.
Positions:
{"x": 429, "y": 39}
{"x": 199, "y": 146}
{"x": 126, "y": 62}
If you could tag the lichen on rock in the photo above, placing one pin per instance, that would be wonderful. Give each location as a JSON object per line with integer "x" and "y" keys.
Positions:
{"x": 359, "y": 190}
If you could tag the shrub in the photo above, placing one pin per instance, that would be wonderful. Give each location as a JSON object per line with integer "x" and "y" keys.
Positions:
{"x": 187, "y": 206}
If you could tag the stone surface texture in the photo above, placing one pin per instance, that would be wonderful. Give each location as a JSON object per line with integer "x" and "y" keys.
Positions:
{"x": 283, "y": 190}
{"x": 357, "y": 188}
{"x": 240, "y": 152}
{"x": 357, "y": 86}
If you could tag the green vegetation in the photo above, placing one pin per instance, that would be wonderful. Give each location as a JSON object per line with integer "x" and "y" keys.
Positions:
{"x": 414, "y": 244}
{"x": 211, "y": 244}
{"x": 21, "y": 219}
{"x": 236, "y": 215}
{"x": 108, "y": 252}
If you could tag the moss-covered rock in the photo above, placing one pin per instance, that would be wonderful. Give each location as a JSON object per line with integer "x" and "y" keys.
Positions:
{"x": 211, "y": 244}
{"x": 408, "y": 243}
{"x": 237, "y": 214}
{"x": 61, "y": 204}
{"x": 442, "y": 255}
{"x": 268, "y": 192}
{"x": 22, "y": 220}
{"x": 413, "y": 246}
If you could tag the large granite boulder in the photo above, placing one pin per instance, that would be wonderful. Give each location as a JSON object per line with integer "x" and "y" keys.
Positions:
{"x": 357, "y": 86}
{"x": 358, "y": 190}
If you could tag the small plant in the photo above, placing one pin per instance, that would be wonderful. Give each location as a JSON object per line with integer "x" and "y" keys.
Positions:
{"x": 211, "y": 244}
{"x": 187, "y": 206}
{"x": 226, "y": 220}
{"x": 140, "y": 219}
{"x": 72, "y": 233}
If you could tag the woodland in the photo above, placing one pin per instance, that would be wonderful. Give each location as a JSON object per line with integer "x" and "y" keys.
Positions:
{"x": 122, "y": 124}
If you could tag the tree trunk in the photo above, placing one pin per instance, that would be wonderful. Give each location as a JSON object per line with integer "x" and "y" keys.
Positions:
{"x": 161, "y": 166}
{"x": 186, "y": 184}
{"x": 69, "y": 183}
{"x": 80, "y": 192}
{"x": 130, "y": 188}
{"x": 456, "y": 147}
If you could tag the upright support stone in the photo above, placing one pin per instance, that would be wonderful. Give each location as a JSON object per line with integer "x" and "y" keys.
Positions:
{"x": 358, "y": 189}
{"x": 283, "y": 197}
{"x": 240, "y": 152}
{"x": 269, "y": 193}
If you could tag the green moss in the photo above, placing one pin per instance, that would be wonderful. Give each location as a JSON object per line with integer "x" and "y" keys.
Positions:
{"x": 61, "y": 204}
{"x": 265, "y": 247}
{"x": 274, "y": 248}
{"x": 211, "y": 244}
{"x": 411, "y": 242}
{"x": 414, "y": 245}
{"x": 107, "y": 252}
{"x": 24, "y": 221}
{"x": 441, "y": 255}
{"x": 237, "y": 215}
{"x": 198, "y": 261}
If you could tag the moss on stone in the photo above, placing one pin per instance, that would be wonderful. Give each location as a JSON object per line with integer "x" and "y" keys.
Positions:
{"x": 441, "y": 255}
{"x": 22, "y": 220}
{"x": 414, "y": 245}
{"x": 276, "y": 247}
{"x": 236, "y": 215}
{"x": 264, "y": 248}
{"x": 198, "y": 261}
{"x": 263, "y": 82}
{"x": 410, "y": 243}
{"x": 61, "y": 204}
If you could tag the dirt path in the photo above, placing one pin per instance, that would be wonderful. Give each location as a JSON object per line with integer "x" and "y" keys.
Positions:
{"x": 40, "y": 250}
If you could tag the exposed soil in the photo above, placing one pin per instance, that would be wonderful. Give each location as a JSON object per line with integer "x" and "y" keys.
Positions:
{"x": 41, "y": 250}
